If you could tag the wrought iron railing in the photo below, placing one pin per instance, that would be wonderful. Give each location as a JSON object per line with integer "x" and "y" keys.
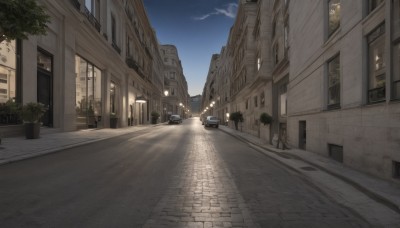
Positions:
{"x": 115, "y": 46}
{"x": 76, "y": 4}
{"x": 92, "y": 19}
{"x": 132, "y": 63}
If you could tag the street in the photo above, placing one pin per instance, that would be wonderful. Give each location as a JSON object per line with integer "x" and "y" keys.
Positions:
{"x": 169, "y": 176}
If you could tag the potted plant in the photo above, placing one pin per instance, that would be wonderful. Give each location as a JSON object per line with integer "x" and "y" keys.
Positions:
{"x": 154, "y": 117}
{"x": 31, "y": 113}
{"x": 236, "y": 117}
{"x": 113, "y": 120}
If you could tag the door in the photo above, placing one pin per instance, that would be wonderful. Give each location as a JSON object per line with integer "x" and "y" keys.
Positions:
{"x": 302, "y": 135}
{"x": 45, "y": 85}
{"x": 44, "y": 96}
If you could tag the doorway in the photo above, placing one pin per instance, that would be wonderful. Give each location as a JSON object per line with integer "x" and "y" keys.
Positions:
{"x": 45, "y": 85}
{"x": 302, "y": 135}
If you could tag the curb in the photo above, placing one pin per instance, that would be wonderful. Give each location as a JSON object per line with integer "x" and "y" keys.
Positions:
{"x": 371, "y": 194}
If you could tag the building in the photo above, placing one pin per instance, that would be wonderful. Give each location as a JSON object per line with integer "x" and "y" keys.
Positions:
{"x": 343, "y": 86}
{"x": 175, "y": 100}
{"x": 99, "y": 59}
{"x": 328, "y": 73}
{"x": 195, "y": 105}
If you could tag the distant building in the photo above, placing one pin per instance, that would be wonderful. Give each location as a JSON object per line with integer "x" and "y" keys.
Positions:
{"x": 195, "y": 105}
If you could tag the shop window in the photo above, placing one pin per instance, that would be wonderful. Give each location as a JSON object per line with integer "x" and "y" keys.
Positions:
{"x": 88, "y": 93}
{"x": 333, "y": 16}
{"x": 377, "y": 65}
{"x": 8, "y": 71}
{"x": 334, "y": 83}
{"x": 373, "y": 4}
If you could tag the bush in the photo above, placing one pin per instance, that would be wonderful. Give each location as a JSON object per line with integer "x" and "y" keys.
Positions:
{"x": 265, "y": 118}
{"x": 32, "y": 112}
{"x": 155, "y": 114}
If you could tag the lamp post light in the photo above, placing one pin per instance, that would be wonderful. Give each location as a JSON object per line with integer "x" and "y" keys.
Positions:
{"x": 227, "y": 118}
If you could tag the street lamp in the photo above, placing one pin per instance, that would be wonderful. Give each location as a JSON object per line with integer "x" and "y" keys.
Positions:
{"x": 166, "y": 93}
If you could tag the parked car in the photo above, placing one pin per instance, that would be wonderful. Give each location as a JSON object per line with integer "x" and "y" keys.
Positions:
{"x": 175, "y": 119}
{"x": 211, "y": 121}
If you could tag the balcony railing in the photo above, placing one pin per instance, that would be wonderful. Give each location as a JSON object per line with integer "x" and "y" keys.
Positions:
{"x": 92, "y": 19}
{"x": 115, "y": 46}
{"x": 132, "y": 63}
{"x": 76, "y": 4}
{"x": 377, "y": 94}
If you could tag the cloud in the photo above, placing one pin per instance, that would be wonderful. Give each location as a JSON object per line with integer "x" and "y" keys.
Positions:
{"x": 230, "y": 12}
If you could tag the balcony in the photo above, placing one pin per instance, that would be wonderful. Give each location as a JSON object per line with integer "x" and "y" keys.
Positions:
{"x": 115, "y": 46}
{"x": 92, "y": 19}
{"x": 132, "y": 63}
{"x": 76, "y": 4}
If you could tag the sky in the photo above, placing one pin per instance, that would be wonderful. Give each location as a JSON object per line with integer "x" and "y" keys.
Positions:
{"x": 198, "y": 28}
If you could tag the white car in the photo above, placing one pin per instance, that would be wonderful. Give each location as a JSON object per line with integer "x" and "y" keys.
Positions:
{"x": 211, "y": 121}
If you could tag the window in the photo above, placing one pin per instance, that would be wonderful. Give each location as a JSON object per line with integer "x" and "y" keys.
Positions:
{"x": 276, "y": 54}
{"x": 258, "y": 63}
{"x": 396, "y": 19}
{"x": 373, "y": 4}
{"x": 283, "y": 100}
{"x": 273, "y": 28}
{"x": 172, "y": 75}
{"x": 8, "y": 70}
{"x": 256, "y": 101}
{"x": 113, "y": 29}
{"x": 88, "y": 93}
{"x": 334, "y": 83}
{"x": 286, "y": 37}
{"x": 334, "y": 16}
{"x": 377, "y": 66}
{"x": 113, "y": 102}
{"x": 396, "y": 69}
{"x": 262, "y": 99}
{"x": 247, "y": 104}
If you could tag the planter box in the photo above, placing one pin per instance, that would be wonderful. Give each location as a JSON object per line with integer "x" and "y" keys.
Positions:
{"x": 32, "y": 130}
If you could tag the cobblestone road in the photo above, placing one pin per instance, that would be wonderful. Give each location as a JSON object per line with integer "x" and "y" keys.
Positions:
{"x": 204, "y": 192}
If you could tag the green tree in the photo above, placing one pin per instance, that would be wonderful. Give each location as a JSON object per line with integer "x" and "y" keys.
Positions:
{"x": 20, "y": 18}
{"x": 265, "y": 118}
{"x": 236, "y": 117}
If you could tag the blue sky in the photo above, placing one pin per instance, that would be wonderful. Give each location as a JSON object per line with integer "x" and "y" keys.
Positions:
{"x": 198, "y": 28}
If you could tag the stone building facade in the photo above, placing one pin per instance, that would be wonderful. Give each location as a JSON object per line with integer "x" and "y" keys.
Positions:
{"x": 328, "y": 73}
{"x": 175, "y": 100}
{"x": 99, "y": 59}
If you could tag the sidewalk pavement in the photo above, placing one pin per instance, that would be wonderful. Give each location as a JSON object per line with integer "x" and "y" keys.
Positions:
{"x": 304, "y": 162}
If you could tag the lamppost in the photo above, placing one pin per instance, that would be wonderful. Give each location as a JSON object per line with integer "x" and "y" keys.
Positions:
{"x": 166, "y": 93}
{"x": 141, "y": 100}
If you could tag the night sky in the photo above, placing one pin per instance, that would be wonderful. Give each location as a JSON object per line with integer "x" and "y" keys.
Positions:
{"x": 198, "y": 28}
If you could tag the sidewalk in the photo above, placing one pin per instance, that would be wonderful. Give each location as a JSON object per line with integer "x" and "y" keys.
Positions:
{"x": 19, "y": 148}
{"x": 302, "y": 161}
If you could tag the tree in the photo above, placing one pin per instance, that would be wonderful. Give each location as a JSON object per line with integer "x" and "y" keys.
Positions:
{"x": 20, "y": 18}
{"x": 236, "y": 117}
